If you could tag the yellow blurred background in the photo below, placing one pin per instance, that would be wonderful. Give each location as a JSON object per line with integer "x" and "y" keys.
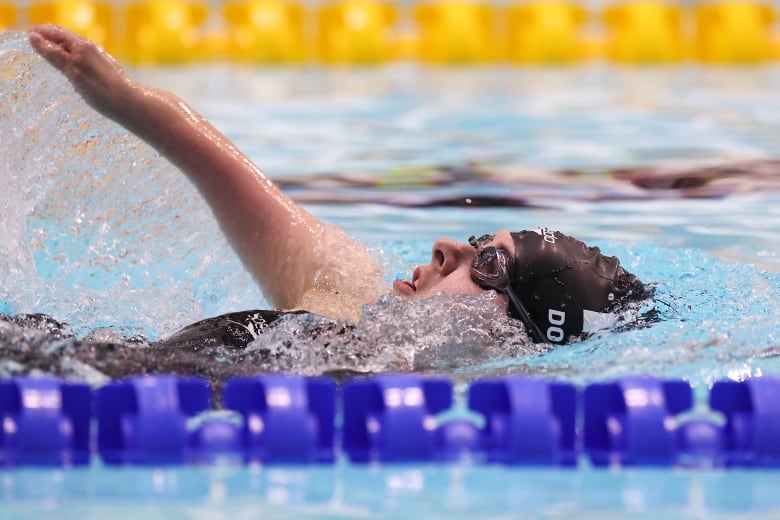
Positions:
{"x": 361, "y": 32}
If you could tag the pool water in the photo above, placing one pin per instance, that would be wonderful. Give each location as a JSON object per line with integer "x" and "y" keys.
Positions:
{"x": 388, "y": 492}
{"x": 670, "y": 169}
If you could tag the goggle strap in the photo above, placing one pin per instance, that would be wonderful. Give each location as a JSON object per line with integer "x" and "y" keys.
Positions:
{"x": 533, "y": 330}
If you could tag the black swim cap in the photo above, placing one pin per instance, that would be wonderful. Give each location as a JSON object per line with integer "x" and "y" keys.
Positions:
{"x": 566, "y": 286}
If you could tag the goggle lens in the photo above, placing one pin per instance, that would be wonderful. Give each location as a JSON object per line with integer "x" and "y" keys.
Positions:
{"x": 489, "y": 270}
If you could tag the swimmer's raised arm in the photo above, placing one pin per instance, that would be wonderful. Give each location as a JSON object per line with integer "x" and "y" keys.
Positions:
{"x": 291, "y": 253}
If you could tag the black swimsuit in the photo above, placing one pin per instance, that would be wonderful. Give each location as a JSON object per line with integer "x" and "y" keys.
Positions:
{"x": 234, "y": 329}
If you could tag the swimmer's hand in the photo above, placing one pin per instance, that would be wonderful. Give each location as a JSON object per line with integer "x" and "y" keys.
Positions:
{"x": 298, "y": 260}
{"x": 97, "y": 76}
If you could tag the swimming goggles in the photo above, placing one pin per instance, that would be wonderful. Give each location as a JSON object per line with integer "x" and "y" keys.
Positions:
{"x": 489, "y": 270}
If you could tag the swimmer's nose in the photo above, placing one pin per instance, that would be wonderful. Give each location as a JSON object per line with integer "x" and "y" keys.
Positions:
{"x": 447, "y": 255}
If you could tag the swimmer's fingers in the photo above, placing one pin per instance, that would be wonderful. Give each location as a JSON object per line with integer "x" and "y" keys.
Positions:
{"x": 71, "y": 53}
{"x": 54, "y": 33}
{"x": 53, "y": 43}
{"x": 96, "y": 75}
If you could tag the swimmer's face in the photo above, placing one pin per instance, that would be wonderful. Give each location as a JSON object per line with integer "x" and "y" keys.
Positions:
{"x": 449, "y": 271}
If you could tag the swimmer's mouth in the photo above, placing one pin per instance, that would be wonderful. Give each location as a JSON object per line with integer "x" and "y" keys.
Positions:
{"x": 405, "y": 287}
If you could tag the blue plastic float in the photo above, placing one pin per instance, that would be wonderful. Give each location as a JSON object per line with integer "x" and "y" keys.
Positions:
{"x": 281, "y": 419}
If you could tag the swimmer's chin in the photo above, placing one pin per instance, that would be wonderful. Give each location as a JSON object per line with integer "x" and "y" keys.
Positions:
{"x": 404, "y": 288}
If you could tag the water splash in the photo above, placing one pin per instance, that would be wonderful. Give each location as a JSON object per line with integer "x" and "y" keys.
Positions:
{"x": 95, "y": 224}
{"x": 97, "y": 230}
{"x": 705, "y": 330}
{"x": 718, "y": 320}
{"x": 435, "y": 335}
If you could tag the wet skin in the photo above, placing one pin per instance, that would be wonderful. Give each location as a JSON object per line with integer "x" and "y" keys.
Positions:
{"x": 449, "y": 271}
{"x": 264, "y": 226}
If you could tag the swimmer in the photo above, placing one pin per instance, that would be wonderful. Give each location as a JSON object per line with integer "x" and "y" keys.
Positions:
{"x": 559, "y": 287}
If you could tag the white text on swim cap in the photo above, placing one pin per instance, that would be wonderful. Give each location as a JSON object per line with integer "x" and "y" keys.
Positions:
{"x": 557, "y": 319}
{"x": 547, "y": 234}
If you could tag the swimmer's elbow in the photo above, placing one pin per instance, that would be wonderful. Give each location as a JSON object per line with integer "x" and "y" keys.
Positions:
{"x": 284, "y": 295}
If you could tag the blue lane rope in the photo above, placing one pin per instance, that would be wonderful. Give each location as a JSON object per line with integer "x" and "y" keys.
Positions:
{"x": 164, "y": 420}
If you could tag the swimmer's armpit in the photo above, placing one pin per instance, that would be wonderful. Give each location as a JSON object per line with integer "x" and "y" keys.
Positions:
{"x": 264, "y": 226}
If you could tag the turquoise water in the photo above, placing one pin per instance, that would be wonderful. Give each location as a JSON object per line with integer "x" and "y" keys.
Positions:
{"x": 100, "y": 232}
{"x": 394, "y": 492}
